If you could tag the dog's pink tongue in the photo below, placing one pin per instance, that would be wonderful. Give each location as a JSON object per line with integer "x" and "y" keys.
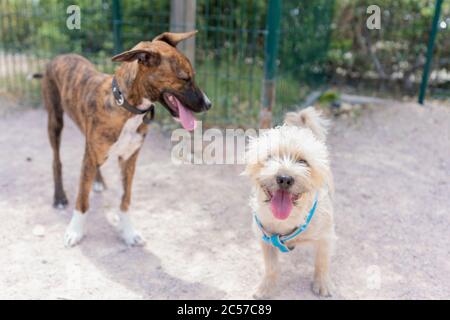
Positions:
{"x": 187, "y": 119}
{"x": 281, "y": 204}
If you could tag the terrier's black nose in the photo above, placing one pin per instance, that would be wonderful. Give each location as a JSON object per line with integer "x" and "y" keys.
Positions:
{"x": 285, "y": 182}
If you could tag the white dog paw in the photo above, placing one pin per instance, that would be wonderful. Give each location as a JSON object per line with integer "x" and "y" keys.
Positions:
{"x": 75, "y": 230}
{"x": 265, "y": 290}
{"x": 323, "y": 287}
{"x": 128, "y": 233}
{"x": 133, "y": 238}
{"x": 72, "y": 238}
{"x": 98, "y": 186}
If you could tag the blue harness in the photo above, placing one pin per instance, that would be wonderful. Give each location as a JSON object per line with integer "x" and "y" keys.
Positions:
{"x": 277, "y": 240}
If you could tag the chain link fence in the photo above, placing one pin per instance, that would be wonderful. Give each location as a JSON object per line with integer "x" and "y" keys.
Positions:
{"x": 319, "y": 43}
{"x": 229, "y": 48}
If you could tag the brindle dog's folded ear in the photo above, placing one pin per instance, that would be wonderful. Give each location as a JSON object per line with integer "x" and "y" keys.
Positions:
{"x": 174, "y": 38}
{"x": 144, "y": 57}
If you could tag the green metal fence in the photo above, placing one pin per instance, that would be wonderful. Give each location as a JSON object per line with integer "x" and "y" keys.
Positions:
{"x": 303, "y": 51}
{"x": 229, "y": 52}
{"x": 245, "y": 51}
{"x": 391, "y": 61}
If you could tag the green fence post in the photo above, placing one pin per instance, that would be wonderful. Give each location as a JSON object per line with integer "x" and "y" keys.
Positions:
{"x": 270, "y": 62}
{"x": 426, "y": 69}
{"x": 117, "y": 26}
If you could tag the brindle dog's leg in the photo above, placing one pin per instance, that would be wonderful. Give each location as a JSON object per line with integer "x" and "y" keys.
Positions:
{"x": 129, "y": 234}
{"x": 75, "y": 230}
{"x": 55, "y": 126}
{"x": 99, "y": 183}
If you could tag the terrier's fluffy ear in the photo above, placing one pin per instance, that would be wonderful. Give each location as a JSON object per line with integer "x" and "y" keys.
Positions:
{"x": 309, "y": 118}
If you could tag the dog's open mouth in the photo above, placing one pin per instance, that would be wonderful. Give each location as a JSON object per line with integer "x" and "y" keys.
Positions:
{"x": 281, "y": 202}
{"x": 180, "y": 112}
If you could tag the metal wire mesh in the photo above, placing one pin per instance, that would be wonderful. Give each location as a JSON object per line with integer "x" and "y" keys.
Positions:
{"x": 229, "y": 53}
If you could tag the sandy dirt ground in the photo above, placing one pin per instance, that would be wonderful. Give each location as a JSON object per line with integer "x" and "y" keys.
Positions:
{"x": 392, "y": 174}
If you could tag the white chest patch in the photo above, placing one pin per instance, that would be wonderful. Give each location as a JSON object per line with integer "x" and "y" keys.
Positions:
{"x": 129, "y": 140}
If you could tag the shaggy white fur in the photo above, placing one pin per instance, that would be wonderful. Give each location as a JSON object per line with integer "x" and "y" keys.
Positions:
{"x": 295, "y": 150}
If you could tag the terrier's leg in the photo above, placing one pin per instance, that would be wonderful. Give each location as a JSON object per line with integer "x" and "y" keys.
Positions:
{"x": 268, "y": 283}
{"x": 322, "y": 284}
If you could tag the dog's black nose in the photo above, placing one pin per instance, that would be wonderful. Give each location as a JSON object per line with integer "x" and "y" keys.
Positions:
{"x": 207, "y": 105}
{"x": 285, "y": 182}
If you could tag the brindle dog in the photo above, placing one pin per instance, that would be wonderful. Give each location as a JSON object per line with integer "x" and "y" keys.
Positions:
{"x": 152, "y": 71}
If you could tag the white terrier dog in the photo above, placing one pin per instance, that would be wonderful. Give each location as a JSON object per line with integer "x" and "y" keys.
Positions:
{"x": 292, "y": 198}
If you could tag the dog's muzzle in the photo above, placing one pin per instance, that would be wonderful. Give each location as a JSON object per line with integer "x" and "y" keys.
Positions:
{"x": 206, "y": 102}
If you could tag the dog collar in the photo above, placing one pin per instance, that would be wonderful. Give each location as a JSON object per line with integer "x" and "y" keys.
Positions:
{"x": 277, "y": 240}
{"x": 121, "y": 101}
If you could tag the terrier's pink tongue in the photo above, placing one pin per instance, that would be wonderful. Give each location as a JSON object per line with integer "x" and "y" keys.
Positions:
{"x": 281, "y": 204}
{"x": 187, "y": 119}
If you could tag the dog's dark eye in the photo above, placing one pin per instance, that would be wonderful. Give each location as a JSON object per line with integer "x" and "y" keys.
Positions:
{"x": 301, "y": 161}
{"x": 184, "y": 76}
